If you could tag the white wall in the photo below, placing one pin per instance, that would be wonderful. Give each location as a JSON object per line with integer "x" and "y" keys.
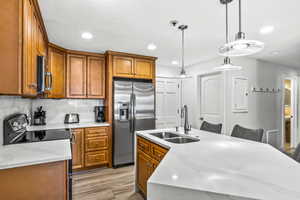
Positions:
{"x": 166, "y": 71}
{"x": 264, "y": 109}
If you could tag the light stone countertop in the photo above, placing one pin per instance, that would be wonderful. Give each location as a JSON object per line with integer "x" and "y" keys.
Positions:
{"x": 222, "y": 167}
{"x": 66, "y": 126}
{"x": 20, "y": 155}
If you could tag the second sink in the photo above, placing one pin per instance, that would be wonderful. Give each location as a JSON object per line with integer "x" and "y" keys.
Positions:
{"x": 182, "y": 140}
{"x": 165, "y": 135}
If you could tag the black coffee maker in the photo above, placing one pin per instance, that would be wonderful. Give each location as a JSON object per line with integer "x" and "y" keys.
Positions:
{"x": 99, "y": 114}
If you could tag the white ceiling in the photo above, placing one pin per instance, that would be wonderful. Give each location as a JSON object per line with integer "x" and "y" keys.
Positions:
{"x": 130, "y": 25}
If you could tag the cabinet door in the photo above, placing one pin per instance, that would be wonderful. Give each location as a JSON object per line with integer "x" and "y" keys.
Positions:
{"x": 96, "y": 158}
{"x": 42, "y": 46}
{"x": 78, "y": 148}
{"x": 123, "y": 66}
{"x": 144, "y": 170}
{"x": 95, "y": 77}
{"x": 29, "y": 50}
{"x": 56, "y": 67}
{"x": 143, "y": 69}
{"x": 76, "y": 76}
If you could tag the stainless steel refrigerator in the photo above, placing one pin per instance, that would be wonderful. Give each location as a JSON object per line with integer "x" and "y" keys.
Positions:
{"x": 134, "y": 110}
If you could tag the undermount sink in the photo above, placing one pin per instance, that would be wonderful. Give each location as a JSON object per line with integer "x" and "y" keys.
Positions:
{"x": 174, "y": 138}
{"x": 165, "y": 135}
{"x": 182, "y": 140}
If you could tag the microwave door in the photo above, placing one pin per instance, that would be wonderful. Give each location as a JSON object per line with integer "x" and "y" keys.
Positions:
{"x": 40, "y": 74}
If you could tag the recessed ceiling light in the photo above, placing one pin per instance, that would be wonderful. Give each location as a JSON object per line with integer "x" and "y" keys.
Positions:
{"x": 87, "y": 35}
{"x": 274, "y": 53}
{"x": 175, "y": 62}
{"x": 266, "y": 30}
{"x": 151, "y": 46}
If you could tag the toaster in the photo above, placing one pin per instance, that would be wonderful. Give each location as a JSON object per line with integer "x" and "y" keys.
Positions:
{"x": 71, "y": 118}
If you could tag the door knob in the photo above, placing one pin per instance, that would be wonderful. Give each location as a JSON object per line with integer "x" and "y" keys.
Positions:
{"x": 201, "y": 118}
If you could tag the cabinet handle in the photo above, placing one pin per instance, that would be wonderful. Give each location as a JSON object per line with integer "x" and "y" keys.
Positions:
{"x": 32, "y": 85}
{"x": 73, "y": 140}
{"x": 49, "y": 74}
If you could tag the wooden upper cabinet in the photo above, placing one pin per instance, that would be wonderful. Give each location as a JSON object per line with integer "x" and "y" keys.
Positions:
{"x": 78, "y": 148}
{"x": 42, "y": 45}
{"x": 76, "y": 76}
{"x": 11, "y": 47}
{"x": 95, "y": 77}
{"x": 123, "y": 66}
{"x": 143, "y": 68}
{"x": 30, "y": 50}
{"x": 129, "y": 67}
{"x": 56, "y": 72}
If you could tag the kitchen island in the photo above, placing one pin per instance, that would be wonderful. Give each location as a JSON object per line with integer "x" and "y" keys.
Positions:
{"x": 220, "y": 167}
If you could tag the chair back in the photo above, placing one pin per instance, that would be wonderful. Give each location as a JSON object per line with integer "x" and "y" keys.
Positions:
{"x": 215, "y": 128}
{"x": 248, "y": 134}
{"x": 296, "y": 155}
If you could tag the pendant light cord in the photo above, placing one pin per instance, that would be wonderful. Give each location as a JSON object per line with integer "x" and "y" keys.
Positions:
{"x": 182, "y": 50}
{"x": 227, "y": 37}
{"x": 240, "y": 15}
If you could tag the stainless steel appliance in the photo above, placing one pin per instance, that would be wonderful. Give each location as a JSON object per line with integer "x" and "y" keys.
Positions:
{"x": 72, "y": 118}
{"x": 15, "y": 132}
{"x": 99, "y": 114}
{"x": 134, "y": 110}
{"x": 41, "y": 66}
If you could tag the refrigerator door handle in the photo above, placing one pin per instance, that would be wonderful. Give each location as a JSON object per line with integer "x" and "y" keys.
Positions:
{"x": 130, "y": 112}
{"x": 134, "y": 112}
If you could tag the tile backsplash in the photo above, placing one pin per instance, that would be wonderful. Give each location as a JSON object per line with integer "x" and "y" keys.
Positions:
{"x": 55, "y": 108}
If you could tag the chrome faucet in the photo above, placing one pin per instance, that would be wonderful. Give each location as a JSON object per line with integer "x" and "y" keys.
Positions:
{"x": 187, "y": 127}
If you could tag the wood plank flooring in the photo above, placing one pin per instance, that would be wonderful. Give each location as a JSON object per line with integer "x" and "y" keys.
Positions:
{"x": 105, "y": 184}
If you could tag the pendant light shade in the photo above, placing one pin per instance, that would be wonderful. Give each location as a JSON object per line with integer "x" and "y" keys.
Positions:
{"x": 226, "y": 66}
{"x": 241, "y": 46}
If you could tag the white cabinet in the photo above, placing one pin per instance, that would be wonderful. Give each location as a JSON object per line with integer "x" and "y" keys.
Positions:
{"x": 240, "y": 94}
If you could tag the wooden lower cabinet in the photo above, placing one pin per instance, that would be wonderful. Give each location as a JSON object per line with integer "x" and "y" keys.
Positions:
{"x": 149, "y": 156}
{"x": 96, "y": 158}
{"x": 35, "y": 182}
{"x": 91, "y": 147}
{"x": 78, "y": 148}
{"x": 144, "y": 168}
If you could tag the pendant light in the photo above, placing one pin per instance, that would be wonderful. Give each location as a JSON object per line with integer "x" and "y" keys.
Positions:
{"x": 182, "y": 72}
{"x": 241, "y": 46}
{"x": 226, "y": 66}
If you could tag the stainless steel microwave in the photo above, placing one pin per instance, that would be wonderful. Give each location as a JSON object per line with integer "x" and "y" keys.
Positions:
{"x": 41, "y": 75}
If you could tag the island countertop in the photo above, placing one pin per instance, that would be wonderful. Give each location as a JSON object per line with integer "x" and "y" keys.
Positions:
{"x": 20, "y": 155}
{"x": 222, "y": 167}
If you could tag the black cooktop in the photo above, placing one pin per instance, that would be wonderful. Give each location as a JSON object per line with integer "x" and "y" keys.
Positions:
{"x": 39, "y": 136}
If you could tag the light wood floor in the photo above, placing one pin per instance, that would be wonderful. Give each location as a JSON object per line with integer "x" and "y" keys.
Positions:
{"x": 105, "y": 184}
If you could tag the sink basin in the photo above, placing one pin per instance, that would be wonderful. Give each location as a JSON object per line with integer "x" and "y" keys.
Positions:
{"x": 165, "y": 135}
{"x": 182, "y": 140}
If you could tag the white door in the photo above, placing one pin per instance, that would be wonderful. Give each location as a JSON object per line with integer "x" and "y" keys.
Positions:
{"x": 212, "y": 98}
{"x": 167, "y": 102}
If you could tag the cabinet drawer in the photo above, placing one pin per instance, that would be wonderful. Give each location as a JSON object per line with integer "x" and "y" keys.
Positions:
{"x": 144, "y": 145}
{"x": 96, "y": 143}
{"x": 96, "y": 158}
{"x": 158, "y": 152}
{"x": 96, "y": 132}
